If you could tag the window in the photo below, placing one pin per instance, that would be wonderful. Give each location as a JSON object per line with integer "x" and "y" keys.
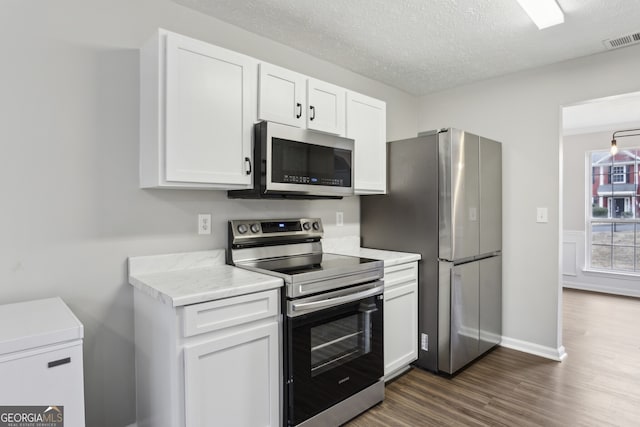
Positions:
{"x": 613, "y": 224}
{"x": 618, "y": 174}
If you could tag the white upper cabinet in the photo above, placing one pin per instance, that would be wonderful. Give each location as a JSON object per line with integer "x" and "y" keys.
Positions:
{"x": 366, "y": 124}
{"x": 293, "y": 99}
{"x": 197, "y": 109}
{"x": 282, "y": 96}
{"x": 326, "y": 111}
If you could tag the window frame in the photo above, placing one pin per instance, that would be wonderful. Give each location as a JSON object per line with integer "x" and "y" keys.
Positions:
{"x": 615, "y": 245}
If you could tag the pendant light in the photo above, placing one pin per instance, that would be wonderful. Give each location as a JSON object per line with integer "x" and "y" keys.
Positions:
{"x": 614, "y": 143}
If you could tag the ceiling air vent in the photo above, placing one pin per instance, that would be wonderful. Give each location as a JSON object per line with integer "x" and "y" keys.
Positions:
{"x": 623, "y": 41}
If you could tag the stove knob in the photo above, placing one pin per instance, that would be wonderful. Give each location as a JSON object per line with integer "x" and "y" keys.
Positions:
{"x": 306, "y": 226}
{"x": 242, "y": 228}
{"x": 255, "y": 228}
{"x": 316, "y": 225}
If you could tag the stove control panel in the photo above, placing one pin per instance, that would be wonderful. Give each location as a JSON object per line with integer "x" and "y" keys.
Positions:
{"x": 256, "y": 230}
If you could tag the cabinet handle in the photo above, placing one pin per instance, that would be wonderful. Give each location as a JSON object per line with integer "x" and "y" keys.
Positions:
{"x": 299, "y": 110}
{"x": 248, "y": 160}
{"x": 313, "y": 112}
{"x": 59, "y": 362}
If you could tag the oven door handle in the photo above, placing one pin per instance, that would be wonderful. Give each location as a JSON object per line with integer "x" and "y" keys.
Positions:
{"x": 331, "y": 302}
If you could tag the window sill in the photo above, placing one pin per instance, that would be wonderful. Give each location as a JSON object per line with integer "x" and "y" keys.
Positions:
{"x": 611, "y": 274}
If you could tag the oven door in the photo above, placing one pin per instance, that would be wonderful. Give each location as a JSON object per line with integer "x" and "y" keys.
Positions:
{"x": 333, "y": 351}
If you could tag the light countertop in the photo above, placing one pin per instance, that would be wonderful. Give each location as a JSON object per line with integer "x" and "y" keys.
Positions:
{"x": 194, "y": 277}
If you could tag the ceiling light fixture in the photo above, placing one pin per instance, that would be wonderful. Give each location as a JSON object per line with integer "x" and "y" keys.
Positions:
{"x": 614, "y": 143}
{"x": 544, "y": 13}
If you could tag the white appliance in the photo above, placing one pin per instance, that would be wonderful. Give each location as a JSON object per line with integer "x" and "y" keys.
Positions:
{"x": 41, "y": 359}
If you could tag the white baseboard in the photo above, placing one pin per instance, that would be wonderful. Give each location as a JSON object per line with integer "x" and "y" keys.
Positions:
{"x": 557, "y": 354}
{"x": 604, "y": 289}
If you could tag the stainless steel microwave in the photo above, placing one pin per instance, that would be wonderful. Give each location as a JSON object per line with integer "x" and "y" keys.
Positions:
{"x": 290, "y": 162}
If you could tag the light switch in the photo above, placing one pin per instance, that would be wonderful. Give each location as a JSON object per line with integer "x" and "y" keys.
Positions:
{"x": 542, "y": 215}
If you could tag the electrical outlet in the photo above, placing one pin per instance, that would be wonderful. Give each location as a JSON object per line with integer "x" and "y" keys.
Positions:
{"x": 204, "y": 223}
{"x": 339, "y": 219}
{"x": 424, "y": 342}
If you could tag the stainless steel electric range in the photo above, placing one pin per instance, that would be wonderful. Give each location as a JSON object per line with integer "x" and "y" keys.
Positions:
{"x": 332, "y": 324}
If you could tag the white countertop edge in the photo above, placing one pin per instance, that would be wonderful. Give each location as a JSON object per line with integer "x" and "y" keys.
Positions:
{"x": 193, "y": 285}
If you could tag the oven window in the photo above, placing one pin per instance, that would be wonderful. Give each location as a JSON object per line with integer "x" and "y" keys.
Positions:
{"x": 338, "y": 342}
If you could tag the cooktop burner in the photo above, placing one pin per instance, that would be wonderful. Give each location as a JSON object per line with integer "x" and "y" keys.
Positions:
{"x": 321, "y": 262}
{"x": 292, "y": 249}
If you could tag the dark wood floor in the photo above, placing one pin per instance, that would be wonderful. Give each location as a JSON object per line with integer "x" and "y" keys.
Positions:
{"x": 598, "y": 384}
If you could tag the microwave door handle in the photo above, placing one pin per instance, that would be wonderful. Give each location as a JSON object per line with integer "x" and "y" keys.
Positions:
{"x": 330, "y": 302}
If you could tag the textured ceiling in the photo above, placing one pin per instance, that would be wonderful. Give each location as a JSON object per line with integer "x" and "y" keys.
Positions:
{"x": 422, "y": 46}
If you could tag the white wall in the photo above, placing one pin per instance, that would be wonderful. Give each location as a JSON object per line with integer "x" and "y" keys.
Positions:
{"x": 523, "y": 111}
{"x": 72, "y": 211}
{"x": 575, "y": 178}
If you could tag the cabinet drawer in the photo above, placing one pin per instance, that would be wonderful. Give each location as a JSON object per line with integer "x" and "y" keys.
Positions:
{"x": 399, "y": 275}
{"x": 220, "y": 314}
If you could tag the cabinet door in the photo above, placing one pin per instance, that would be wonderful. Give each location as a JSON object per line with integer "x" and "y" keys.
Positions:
{"x": 281, "y": 96}
{"x": 210, "y": 110}
{"x": 49, "y": 376}
{"x": 400, "y": 317}
{"x": 234, "y": 380}
{"x": 326, "y": 112}
{"x": 367, "y": 125}
{"x": 400, "y": 326}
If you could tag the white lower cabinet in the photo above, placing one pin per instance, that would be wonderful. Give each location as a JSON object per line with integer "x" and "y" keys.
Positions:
{"x": 209, "y": 364}
{"x": 400, "y": 317}
{"x": 231, "y": 380}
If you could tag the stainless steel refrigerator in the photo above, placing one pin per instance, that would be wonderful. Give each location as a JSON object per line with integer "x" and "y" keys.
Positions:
{"x": 444, "y": 202}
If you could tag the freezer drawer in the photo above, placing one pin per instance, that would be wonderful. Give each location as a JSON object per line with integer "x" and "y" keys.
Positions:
{"x": 459, "y": 315}
{"x": 490, "y": 294}
{"x": 469, "y": 312}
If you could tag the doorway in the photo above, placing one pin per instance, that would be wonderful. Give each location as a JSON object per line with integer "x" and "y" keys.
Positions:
{"x": 600, "y": 248}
